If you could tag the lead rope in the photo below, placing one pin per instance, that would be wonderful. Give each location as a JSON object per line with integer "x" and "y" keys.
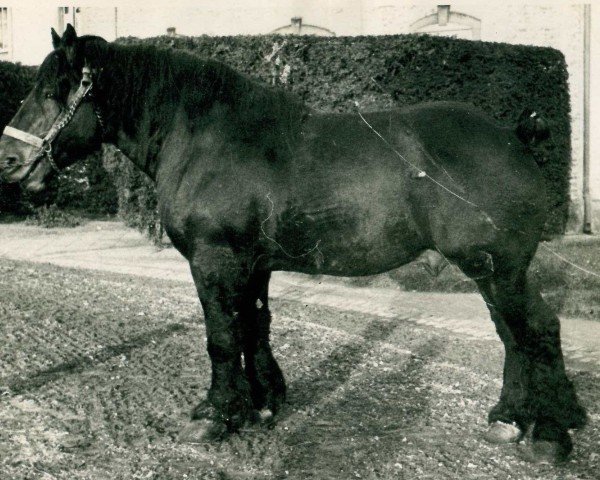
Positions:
{"x": 98, "y": 114}
{"x": 48, "y": 152}
{"x": 422, "y": 174}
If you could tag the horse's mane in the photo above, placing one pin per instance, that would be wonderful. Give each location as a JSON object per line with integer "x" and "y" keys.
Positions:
{"x": 149, "y": 79}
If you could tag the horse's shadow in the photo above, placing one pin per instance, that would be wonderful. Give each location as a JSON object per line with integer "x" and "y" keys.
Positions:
{"x": 34, "y": 381}
{"x": 344, "y": 420}
{"x": 340, "y": 364}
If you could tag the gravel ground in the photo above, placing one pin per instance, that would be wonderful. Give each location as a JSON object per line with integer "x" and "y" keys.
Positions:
{"x": 99, "y": 372}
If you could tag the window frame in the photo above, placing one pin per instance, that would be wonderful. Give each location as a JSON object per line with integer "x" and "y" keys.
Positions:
{"x": 6, "y": 37}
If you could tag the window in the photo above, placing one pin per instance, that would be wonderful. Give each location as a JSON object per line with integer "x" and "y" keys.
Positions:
{"x": 449, "y": 24}
{"x": 67, "y": 15}
{"x": 5, "y": 31}
{"x": 299, "y": 28}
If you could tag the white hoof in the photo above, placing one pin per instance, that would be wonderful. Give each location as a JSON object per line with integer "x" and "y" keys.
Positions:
{"x": 201, "y": 431}
{"x": 500, "y": 432}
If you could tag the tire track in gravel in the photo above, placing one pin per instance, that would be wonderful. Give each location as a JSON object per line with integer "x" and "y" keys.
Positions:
{"x": 305, "y": 458}
{"x": 152, "y": 384}
{"x": 326, "y": 444}
{"x": 78, "y": 363}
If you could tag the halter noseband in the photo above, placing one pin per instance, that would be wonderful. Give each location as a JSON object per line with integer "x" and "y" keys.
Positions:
{"x": 44, "y": 145}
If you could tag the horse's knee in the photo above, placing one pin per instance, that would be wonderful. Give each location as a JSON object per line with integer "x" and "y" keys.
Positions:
{"x": 222, "y": 347}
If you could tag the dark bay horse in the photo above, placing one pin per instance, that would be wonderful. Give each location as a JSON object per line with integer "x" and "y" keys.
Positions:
{"x": 251, "y": 181}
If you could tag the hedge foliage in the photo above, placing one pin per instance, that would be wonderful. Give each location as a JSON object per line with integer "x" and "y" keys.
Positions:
{"x": 331, "y": 74}
{"x": 136, "y": 195}
{"x": 15, "y": 82}
{"x": 84, "y": 186}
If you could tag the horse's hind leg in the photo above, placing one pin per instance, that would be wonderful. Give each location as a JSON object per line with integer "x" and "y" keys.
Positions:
{"x": 536, "y": 388}
{"x": 510, "y": 417}
{"x": 266, "y": 379}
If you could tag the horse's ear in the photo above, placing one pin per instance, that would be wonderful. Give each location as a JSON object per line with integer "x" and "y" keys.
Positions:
{"x": 55, "y": 38}
{"x": 68, "y": 42}
{"x": 69, "y": 36}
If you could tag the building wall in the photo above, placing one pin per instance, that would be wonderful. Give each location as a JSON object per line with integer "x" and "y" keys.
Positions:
{"x": 595, "y": 109}
{"x": 555, "y": 24}
{"x": 31, "y": 32}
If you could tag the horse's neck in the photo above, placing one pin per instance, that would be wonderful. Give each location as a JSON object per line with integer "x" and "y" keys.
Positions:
{"x": 140, "y": 145}
{"x": 137, "y": 150}
{"x": 139, "y": 139}
{"x": 145, "y": 143}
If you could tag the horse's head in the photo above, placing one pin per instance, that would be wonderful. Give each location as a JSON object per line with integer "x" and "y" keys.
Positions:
{"x": 57, "y": 123}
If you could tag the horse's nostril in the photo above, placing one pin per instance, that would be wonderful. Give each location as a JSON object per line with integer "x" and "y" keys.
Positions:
{"x": 11, "y": 161}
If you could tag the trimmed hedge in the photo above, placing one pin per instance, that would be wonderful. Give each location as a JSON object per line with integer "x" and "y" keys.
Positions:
{"x": 331, "y": 74}
{"x": 84, "y": 186}
{"x": 15, "y": 82}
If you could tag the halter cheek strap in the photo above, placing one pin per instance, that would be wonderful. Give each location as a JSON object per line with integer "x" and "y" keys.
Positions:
{"x": 44, "y": 145}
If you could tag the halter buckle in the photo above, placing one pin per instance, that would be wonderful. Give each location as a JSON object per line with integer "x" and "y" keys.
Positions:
{"x": 86, "y": 76}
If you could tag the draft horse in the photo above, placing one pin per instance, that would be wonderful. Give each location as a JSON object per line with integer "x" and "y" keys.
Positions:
{"x": 250, "y": 181}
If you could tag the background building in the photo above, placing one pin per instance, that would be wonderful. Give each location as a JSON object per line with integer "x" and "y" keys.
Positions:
{"x": 24, "y": 37}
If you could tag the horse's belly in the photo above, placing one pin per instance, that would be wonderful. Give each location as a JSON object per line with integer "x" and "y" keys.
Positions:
{"x": 345, "y": 243}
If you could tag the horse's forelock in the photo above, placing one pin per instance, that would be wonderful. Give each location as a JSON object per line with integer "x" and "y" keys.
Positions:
{"x": 57, "y": 62}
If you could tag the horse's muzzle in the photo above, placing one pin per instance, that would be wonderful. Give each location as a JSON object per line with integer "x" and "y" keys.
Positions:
{"x": 14, "y": 167}
{"x": 9, "y": 164}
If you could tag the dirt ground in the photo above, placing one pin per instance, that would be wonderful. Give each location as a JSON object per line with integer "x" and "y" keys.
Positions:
{"x": 99, "y": 372}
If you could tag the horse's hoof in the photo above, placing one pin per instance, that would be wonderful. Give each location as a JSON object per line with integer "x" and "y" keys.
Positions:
{"x": 578, "y": 418}
{"x": 238, "y": 422}
{"x": 500, "y": 432}
{"x": 202, "y": 431}
{"x": 544, "y": 452}
{"x": 203, "y": 411}
{"x": 265, "y": 418}
{"x": 275, "y": 404}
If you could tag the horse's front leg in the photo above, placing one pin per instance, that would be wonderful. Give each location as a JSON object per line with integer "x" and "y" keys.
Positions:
{"x": 220, "y": 280}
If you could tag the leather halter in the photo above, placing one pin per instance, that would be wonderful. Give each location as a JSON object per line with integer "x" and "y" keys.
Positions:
{"x": 44, "y": 145}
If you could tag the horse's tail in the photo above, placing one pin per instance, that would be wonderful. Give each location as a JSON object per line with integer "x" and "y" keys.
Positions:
{"x": 532, "y": 128}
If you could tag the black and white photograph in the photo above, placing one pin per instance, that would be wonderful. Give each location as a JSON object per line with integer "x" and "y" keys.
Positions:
{"x": 300, "y": 239}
